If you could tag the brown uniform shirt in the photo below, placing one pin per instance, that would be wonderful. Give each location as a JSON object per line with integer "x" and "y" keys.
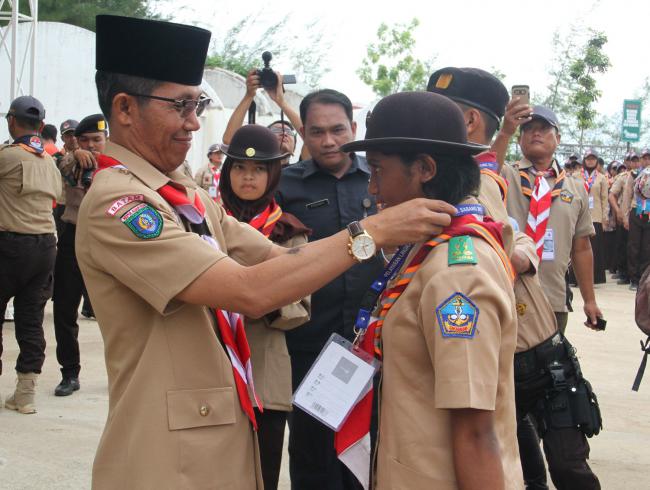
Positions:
{"x": 597, "y": 196}
{"x": 490, "y": 197}
{"x": 426, "y": 374}
{"x": 174, "y": 418}
{"x": 269, "y": 353}
{"x": 29, "y": 185}
{"x": 569, "y": 219}
{"x": 628, "y": 201}
{"x": 204, "y": 178}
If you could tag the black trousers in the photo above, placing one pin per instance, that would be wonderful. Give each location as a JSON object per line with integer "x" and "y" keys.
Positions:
{"x": 313, "y": 464}
{"x": 270, "y": 435}
{"x": 598, "y": 248}
{"x": 638, "y": 246}
{"x": 621, "y": 251}
{"x": 610, "y": 250}
{"x": 68, "y": 290}
{"x": 26, "y": 264}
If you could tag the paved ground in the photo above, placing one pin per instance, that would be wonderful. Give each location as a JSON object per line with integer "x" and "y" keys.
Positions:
{"x": 54, "y": 449}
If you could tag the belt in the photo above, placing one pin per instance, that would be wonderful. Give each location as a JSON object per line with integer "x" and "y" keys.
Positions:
{"x": 537, "y": 359}
{"x": 11, "y": 234}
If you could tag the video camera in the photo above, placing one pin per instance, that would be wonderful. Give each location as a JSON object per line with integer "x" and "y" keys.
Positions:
{"x": 268, "y": 78}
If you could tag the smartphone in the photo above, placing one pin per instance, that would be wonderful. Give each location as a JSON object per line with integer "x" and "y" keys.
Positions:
{"x": 601, "y": 323}
{"x": 523, "y": 92}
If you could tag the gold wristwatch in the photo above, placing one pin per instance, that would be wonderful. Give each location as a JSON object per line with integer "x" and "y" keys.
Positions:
{"x": 361, "y": 245}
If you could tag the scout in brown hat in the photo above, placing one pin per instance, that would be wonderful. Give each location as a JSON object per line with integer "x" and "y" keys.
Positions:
{"x": 437, "y": 371}
{"x": 167, "y": 271}
{"x": 249, "y": 181}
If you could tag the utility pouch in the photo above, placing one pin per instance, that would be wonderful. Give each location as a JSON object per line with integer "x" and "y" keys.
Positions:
{"x": 585, "y": 409}
{"x": 557, "y": 411}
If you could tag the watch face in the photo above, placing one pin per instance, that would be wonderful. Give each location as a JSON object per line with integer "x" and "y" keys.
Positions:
{"x": 363, "y": 247}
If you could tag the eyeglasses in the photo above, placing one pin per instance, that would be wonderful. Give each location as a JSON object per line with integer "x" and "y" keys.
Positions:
{"x": 184, "y": 106}
{"x": 283, "y": 130}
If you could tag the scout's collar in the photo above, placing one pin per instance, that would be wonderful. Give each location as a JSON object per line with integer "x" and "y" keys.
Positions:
{"x": 525, "y": 164}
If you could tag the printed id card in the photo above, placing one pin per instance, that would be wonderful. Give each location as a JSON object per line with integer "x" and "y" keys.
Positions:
{"x": 591, "y": 202}
{"x": 212, "y": 191}
{"x": 338, "y": 379}
{"x": 548, "y": 252}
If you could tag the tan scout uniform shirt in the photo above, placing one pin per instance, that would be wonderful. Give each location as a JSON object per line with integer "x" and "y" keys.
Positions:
{"x": 617, "y": 187}
{"x": 174, "y": 418}
{"x": 569, "y": 219}
{"x": 204, "y": 177}
{"x": 597, "y": 197}
{"x": 269, "y": 353}
{"x": 73, "y": 193}
{"x": 490, "y": 197}
{"x": 425, "y": 374}
{"x": 29, "y": 184}
{"x": 628, "y": 202}
{"x": 535, "y": 318}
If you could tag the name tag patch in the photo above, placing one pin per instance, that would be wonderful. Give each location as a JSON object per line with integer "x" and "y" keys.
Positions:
{"x": 144, "y": 221}
{"x": 457, "y": 316}
{"x": 123, "y": 201}
{"x": 461, "y": 251}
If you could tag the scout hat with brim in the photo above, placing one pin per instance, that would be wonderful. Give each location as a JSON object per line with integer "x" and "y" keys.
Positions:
{"x": 151, "y": 49}
{"x": 416, "y": 122}
{"x": 254, "y": 142}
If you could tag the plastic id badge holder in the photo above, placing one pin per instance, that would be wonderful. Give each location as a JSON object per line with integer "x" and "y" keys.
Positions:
{"x": 338, "y": 379}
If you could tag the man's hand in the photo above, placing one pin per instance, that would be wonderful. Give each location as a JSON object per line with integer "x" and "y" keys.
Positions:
{"x": 411, "y": 222}
{"x": 593, "y": 313}
{"x": 85, "y": 159}
{"x": 626, "y": 222}
{"x": 277, "y": 94}
{"x": 516, "y": 115}
{"x": 252, "y": 84}
{"x": 619, "y": 217}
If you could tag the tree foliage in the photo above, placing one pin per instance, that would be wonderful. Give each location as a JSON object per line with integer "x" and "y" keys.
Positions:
{"x": 240, "y": 51}
{"x": 82, "y": 13}
{"x": 389, "y": 65}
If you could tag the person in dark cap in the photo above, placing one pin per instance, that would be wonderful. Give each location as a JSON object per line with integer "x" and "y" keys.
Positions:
{"x": 208, "y": 176}
{"x": 617, "y": 205}
{"x": 66, "y": 129}
{"x": 29, "y": 183}
{"x": 426, "y": 319}
{"x": 77, "y": 167}
{"x": 638, "y": 243}
{"x": 597, "y": 192}
{"x": 249, "y": 180}
{"x": 553, "y": 210}
{"x": 165, "y": 267}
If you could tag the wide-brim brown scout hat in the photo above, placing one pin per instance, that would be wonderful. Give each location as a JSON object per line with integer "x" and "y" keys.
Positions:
{"x": 415, "y": 122}
{"x": 254, "y": 142}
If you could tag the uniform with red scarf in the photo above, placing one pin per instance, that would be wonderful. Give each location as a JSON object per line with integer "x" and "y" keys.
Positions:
{"x": 597, "y": 192}
{"x": 177, "y": 415}
{"x": 434, "y": 362}
{"x": 562, "y": 213}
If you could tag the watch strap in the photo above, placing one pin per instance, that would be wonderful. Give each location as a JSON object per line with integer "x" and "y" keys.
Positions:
{"x": 355, "y": 229}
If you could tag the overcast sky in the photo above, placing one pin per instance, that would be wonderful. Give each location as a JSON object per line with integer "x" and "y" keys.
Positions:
{"x": 512, "y": 36}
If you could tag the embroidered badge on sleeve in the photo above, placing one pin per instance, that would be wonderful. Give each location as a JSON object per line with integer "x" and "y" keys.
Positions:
{"x": 144, "y": 221}
{"x": 123, "y": 201}
{"x": 457, "y": 316}
{"x": 461, "y": 251}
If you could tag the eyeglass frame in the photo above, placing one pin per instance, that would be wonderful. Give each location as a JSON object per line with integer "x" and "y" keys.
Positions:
{"x": 179, "y": 104}
{"x": 284, "y": 130}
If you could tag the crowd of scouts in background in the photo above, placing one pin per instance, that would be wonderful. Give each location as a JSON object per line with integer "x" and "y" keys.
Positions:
{"x": 250, "y": 175}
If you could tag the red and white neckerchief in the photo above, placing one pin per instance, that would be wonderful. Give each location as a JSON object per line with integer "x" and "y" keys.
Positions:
{"x": 540, "y": 209}
{"x": 265, "y": 221}
{"x": 230, "y": 325}
{"x": 216, "y": 177}
{"x": 589, "y": 179}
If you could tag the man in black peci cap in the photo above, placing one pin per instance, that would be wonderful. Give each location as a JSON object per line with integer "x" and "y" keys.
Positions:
{"x": 166, "y": 269}
{"x": 29, "y": 183}
{"x": 455, "y": 385}
{"x": 76, "y": 167}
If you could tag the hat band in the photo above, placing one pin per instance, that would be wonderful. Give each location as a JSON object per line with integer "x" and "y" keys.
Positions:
{"x": 471, "y": 103}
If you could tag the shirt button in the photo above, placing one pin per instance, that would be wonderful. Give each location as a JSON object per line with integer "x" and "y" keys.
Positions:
{"x": 204, "y": 410}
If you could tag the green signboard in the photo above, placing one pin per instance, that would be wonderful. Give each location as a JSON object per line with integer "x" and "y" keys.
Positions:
{"x": 631, "y": 130}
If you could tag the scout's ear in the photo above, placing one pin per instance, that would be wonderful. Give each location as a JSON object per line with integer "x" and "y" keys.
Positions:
{"x": 426, "y": 167}
{"x": 473, "y": 121}
{"x": 123, "y": 109}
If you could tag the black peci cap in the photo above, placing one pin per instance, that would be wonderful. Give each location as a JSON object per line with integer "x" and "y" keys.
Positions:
{"x": 416, "y": 122}
{"x": 91, "y": 124}
{"x": 27, "y": 107}
{"x": 151, "y": 49}
{"x": 473, "y": 87}
{"x": 254, "y": 142}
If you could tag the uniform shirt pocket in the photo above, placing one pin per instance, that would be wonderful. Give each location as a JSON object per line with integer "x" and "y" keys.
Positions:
{"x": 200, "y": 408}
{"x": 35, "y": 175}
